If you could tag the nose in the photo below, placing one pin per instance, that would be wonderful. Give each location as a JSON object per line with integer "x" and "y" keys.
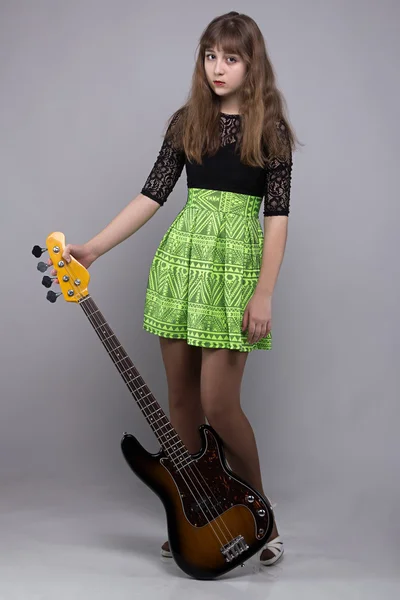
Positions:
{"x": 218, "y": 70}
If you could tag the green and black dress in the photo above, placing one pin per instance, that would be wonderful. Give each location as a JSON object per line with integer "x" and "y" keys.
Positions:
{"x": 207, "y": 265}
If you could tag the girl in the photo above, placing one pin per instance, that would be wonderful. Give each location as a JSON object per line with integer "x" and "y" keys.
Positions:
{"x": 214, "y": 272}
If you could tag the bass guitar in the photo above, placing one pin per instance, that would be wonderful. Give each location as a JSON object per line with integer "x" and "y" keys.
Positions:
{"x": 215, "y": 520}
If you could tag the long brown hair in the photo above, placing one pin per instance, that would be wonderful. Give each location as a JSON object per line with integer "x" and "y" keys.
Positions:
{"x": 265, "y": 132}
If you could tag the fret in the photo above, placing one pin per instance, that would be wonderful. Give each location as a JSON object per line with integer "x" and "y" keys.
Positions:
{"x": 126, "y": 370}
{"x": 175, "y": 435}
{"x": 183, "y": 452}
{"x": 142, "y": 396}
{"x": 104, "y": 324}
{"x": 154, "y": 402}
{"x": 163, "y": 434}
{"x": 174, "y": 459}
{"x": 120, "y": 360}
{"x": 180, "y": 453}
{"x": 156, "y": 420}
{"x": 151, "y": 416}
{"x": 158, "y": 410}
{"x": 142, "y": 386}
{"x": 178, "y": 461}
{"x": 169, "y": 430}
{"x": 145, "y": 396}
{"x": 143, "y": 409}
{"x": 147, "y": 415}
{"x": 108, "y": 338}
{"x": 131, "y": 378}
{"x": 114, "y": 349}
{"x": 174, "y": 445}
{"x": 166, "y": 439}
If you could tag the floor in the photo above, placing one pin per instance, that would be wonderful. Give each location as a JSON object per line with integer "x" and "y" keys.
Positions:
{"x": 66, "y": 544}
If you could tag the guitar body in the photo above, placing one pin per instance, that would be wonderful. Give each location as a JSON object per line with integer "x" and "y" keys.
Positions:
{"x": 215, "y": 520}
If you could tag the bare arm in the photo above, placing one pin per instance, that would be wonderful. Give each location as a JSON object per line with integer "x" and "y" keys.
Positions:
{"x": 128, "y": 221}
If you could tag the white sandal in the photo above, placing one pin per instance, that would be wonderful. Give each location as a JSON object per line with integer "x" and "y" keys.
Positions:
{"x": 166, "y": 553}
{"x": 276, "y": 547}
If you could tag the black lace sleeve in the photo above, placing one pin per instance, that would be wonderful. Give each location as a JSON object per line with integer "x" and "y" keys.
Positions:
{"x": 166, "y": 171}
{"x": 278, "y": 182}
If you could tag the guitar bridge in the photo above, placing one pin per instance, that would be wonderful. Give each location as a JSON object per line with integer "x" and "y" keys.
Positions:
{"x": 234, "y": 548}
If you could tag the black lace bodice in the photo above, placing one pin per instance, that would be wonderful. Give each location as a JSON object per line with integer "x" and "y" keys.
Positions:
{"x": 223, "y": 171}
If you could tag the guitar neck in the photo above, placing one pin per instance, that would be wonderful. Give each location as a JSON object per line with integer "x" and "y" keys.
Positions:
{"x": 152, "y": 411}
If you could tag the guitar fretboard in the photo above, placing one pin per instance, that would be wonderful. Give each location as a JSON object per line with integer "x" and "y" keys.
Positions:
{"x": 152, "y": 411}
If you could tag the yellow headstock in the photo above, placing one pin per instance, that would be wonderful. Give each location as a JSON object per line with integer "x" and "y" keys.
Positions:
{"x": 72, "y": 277}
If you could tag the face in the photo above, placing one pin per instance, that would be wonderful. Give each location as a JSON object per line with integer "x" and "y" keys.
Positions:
{"x": 227, "y": 68}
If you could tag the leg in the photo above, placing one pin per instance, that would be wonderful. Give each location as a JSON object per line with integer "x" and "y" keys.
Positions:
{"x": 221, "y": 378}
{"x": 183, "y": 368}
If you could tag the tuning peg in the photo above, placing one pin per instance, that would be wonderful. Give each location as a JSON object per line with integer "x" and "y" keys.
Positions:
{"x": 38, "y": 251}
{"x": 52, "y": 296}
{"x": 42, "y": 267}
{"x": 47, "y": 281}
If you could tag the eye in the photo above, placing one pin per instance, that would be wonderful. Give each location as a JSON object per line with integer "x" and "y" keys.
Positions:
{"x": 232, "y": 58}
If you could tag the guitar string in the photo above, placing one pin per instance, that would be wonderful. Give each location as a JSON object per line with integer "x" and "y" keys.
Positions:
{"x": 129, "y": 383}
{"x": 172, "y": 460}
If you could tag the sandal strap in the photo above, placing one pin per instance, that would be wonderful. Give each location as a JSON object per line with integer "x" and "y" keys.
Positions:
{"x": 274, "y": 545}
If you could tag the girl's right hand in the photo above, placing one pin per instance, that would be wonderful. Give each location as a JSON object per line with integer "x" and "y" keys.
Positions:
{"x": 81, "y": 252}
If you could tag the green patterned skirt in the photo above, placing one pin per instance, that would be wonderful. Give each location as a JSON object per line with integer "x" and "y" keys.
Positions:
{"x": 205, "y": 271}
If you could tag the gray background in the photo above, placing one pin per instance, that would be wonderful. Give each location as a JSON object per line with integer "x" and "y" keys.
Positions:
{"x": 86, "y": 90}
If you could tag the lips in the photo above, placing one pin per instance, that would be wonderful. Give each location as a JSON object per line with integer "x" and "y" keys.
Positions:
{"x": 219, "y": 82}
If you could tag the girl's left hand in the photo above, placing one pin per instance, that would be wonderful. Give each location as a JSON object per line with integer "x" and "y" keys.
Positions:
{"x": 257, "y": 317}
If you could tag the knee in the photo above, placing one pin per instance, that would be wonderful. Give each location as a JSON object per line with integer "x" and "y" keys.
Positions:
{"x": 215, "y": 408}
{"x": 184, "y": 399}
